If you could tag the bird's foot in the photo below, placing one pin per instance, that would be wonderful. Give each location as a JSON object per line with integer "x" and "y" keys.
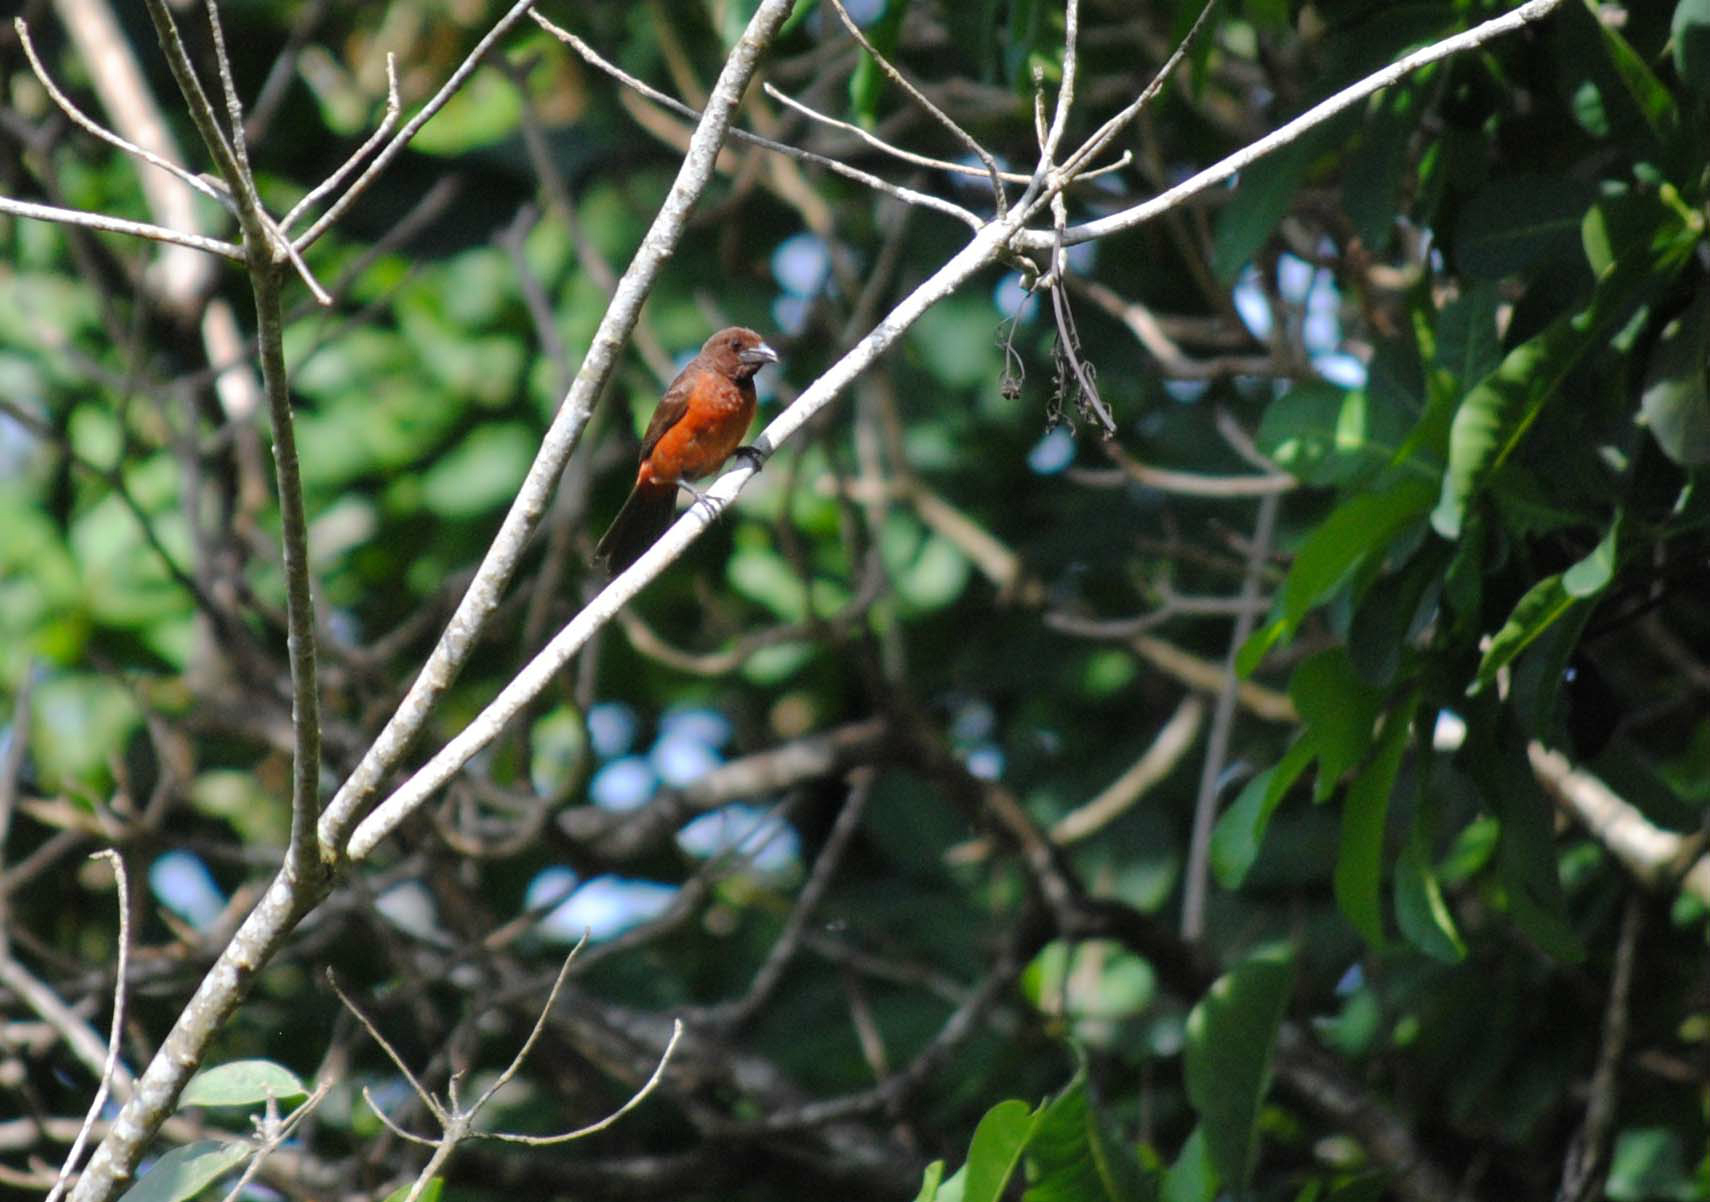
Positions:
{"x": 756, "y": 458}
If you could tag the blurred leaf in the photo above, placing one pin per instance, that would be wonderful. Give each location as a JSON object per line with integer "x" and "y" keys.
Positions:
{"x": 1546, "y": 603}
{"x": 430, "y": 1192}
{"x": 1074, "y": 1157}
{"x": 1420, "y": 911}
{"x": 1394, "y": 611}
{"x": 1240, "y": 832}
{"x": 1365, "y": 814}
{"x": 1650, "y": 1163}
{"x": 242, "y": 1083}
{"x": 995, "y": 1153}
{"x": 1526, "y": 854}
{"x": 1467, "y": 345}
{"x": 1592, "y": 574}
{"x": 558, "y": 746}
{"x": 1338, "y": 710}
{"x": 954, "y": 341}
{"x": 1636, "y": 245}
{"x": 81, "y": 725}
{"x": 1324, "y": 435}
{"x": 1361, "y": 526}
{"x": 935, "y": 577}
{"x": 1192, "y": 1178}
{"x": 1676, "y": 400}
{"x": 186, "y": 1171}
{"x": 1231, "y": 1034}
{"x": 481, "y": 472}
{"x": 930, "y": 1181}
{"x": 1372, "y": 177}
{"x": 1264, "y": 192}
{"x": 1515, "y": 221}
{"x": 238, "y": 797}
{"x": 1690, "y": 40}
{"x": 486, "y": 109}
{"x": 868, "y": 81}
{"x": 1646, "y": 91}
{"x": 759, "y": 573}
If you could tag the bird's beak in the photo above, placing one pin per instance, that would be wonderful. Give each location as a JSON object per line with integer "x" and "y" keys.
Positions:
{"x": 758, "y": 355}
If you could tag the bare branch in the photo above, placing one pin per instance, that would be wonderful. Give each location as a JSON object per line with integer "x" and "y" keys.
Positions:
{"x": 561, "y": 438}
{"x": 1126, "y": 219}
{"x": 396, "y": 146}
{"x": 119, "y": 225}
{"x": 1198, "y": 871}
{"x": 907, "y": 195}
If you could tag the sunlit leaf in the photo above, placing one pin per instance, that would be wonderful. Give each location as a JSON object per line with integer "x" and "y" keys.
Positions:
{"x": 241, "y": 1083}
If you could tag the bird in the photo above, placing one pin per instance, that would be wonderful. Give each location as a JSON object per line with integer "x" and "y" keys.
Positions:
{"x": 699, "y": 424}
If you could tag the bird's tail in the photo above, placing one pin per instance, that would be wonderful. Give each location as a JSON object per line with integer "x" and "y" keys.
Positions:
{"x": 644, "y": 517}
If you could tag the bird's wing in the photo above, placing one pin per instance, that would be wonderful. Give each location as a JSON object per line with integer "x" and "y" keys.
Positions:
{"x": 672, "y": 406}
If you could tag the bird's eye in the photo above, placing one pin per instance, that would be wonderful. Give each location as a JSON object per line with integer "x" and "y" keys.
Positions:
{"x": 736, "y": 344}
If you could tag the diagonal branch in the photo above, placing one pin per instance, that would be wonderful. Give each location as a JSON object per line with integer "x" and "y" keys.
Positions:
{"x": 561, "y": 438}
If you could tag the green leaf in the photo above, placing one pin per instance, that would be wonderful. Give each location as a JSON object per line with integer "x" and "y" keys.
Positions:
{"x": 1676, "y": 401}
{"x": 1690, "y": 39}
{"x": 1635, "y": 245}
{"x": 1517, "y": 220}
{"x": 430, "y": 1192}
{"x": 186, "y": 1171}
{"x": 1192, "y": 1178}
{"x": 1324, "y": 435}
{"x": 1365, "y": 814}
{"x": 1240, "y": 832}
{"x": 934, "y": 1174}
{"x": 868, "y": 81}
{"x": 241, "y": 1083}
{"x": 1361, "y": 526}
{"x": 1592, "y": 574}
{"x": 1547, "y": 602}
{"x": 1420, "y": 911}
{"x": 1393, "y": 611}
{"x": 1338, "y": 710}
{"x": 1544, "y": 604}
{"x": 1231, "y": 1034}
{"x": 484, "y": 110}
{"x": 1526, "y": 852}
{"x": 1074, "y": 1157}
{"x": 1376, "y": 168}
{"x": 1648, "y": 93}
{"x": 1263, "y": 195}
{"x": 996, "y": 1149}
{"x": 481, "y": 472}
{"x": 1467, "y": 344}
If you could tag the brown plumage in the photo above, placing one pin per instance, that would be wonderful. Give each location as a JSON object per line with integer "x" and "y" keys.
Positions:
{"x": 699, "y": 424}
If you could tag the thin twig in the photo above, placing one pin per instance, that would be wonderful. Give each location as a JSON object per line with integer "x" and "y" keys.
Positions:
{"x": 907, "y": 195}
{"x": 1125, "y": 219}
{"x": 1584, "y": 1173}
{"x": 948, "y": 122}
{"x": 427, "y": 112}
{"x": 1197, "y": 873}
{"x": 331, "y": 183}
{"x": 78, "y": 118}
{"x": 119, "y": 225}
{"x": 110, "y": 1067}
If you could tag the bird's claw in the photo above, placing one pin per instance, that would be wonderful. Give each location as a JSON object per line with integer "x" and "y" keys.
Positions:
{"x": 756, "y": 458}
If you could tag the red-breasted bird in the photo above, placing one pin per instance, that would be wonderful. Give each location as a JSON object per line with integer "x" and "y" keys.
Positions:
{"x": 699, "y": 423}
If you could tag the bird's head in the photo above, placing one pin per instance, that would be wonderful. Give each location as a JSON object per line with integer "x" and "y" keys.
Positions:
{"x": 738, "y": 352}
